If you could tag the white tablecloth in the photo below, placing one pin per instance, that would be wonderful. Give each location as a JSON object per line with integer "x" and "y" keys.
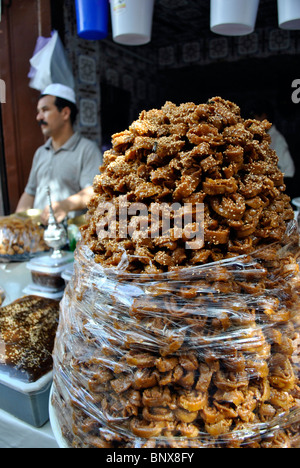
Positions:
{"x": 14, "y": 433}
{"x": 17, "y": 434}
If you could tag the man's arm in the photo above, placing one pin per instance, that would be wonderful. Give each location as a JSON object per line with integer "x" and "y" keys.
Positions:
{"x": 287, "y": 164}
{"x": 75, "y": 202}
{"x": 25, "y": 203}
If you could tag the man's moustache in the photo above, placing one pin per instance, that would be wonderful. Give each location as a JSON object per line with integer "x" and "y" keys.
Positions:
{"x": 41, "y": 122}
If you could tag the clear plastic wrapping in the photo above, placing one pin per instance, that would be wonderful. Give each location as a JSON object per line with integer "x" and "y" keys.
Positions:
{"x": 20, "y": 239}
{"x": 207, "y": 356}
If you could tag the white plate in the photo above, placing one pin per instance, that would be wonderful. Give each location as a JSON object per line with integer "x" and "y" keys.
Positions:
{"x": 55, "y": 426}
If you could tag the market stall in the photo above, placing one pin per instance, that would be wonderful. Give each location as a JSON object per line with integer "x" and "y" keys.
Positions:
{"x": 167, "y": 337}
{"x": 176, "y": 322}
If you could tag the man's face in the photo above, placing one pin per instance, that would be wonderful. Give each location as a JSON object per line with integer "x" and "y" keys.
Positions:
{"x": 50, "y": 119}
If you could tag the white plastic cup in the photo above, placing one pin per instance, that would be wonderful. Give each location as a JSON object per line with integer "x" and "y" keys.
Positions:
{"x": 233, "y": 17}
{"x": 289, "y": 14}
{"x": 132, "y": 21}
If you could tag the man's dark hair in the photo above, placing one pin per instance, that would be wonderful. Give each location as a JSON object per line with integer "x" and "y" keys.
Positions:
{"x": 260, "y": 107}
{"x": 61, "y": 103}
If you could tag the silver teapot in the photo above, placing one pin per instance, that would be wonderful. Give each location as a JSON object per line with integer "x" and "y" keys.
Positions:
{"x": 55, "y": 234}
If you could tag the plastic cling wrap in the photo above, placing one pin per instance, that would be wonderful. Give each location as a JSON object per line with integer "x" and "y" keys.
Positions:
{"x": 207, "y": 356}
{"x": 20, "y": 239}
{"x": 164, "y": 344}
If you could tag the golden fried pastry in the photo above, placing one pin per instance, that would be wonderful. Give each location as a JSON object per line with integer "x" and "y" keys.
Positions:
{"x": 164, "y": 346}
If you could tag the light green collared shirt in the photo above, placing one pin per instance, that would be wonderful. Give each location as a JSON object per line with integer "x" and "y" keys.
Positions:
{"x": 66, "y": 171}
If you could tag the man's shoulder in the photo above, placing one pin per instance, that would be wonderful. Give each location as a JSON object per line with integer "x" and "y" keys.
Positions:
{"x": 86, "y": 142}
{"x": 89, "y": 151}
{"x": 45, "y": 147}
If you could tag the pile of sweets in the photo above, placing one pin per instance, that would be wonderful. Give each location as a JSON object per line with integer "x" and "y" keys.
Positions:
{"x": 19, "y": 237}
{"x": 163, "y": 346}
{"x": 192, "y": 154}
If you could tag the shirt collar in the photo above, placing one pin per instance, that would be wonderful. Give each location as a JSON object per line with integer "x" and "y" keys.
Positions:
{"x": 69, "y": 145}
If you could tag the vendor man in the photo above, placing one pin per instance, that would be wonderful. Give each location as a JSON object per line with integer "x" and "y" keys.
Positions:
{"x": 67, "y": 162}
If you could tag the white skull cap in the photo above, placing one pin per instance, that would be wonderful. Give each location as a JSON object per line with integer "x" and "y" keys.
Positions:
{"x": 61, "y": 91}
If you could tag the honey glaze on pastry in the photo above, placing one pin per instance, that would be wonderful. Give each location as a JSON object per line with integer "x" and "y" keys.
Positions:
{"x": 192, "y": 153}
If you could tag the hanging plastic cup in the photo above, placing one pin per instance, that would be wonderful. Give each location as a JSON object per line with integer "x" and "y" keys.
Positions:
{"x": 132, "y": 21}
{"x": 289, "y": 14}
{"x": 233, "y": 17}
{"x": 92, "y": 19}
